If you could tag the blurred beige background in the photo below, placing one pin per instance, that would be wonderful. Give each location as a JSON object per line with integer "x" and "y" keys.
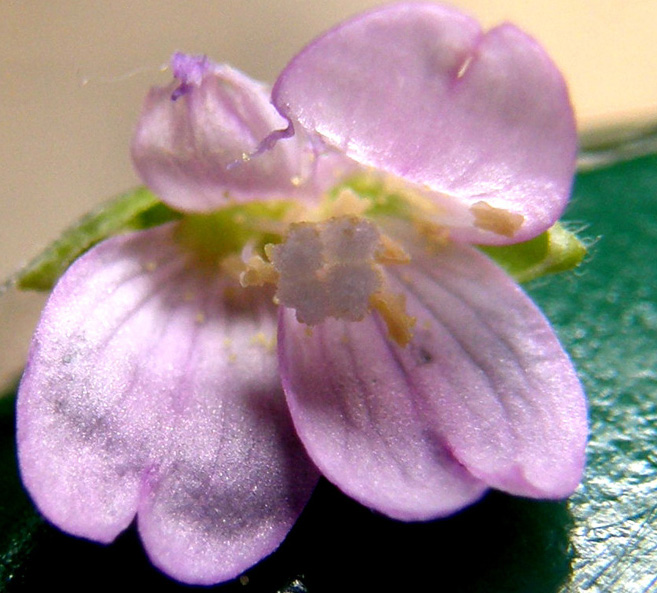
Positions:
{"x": 73, "y": 74}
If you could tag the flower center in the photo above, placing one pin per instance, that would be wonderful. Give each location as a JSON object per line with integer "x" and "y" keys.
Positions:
{"x": 334, "y": 268}
{"x": 224, "y": 234}
{"x": 325, "y": 262}
{"x": 328, "y": 269}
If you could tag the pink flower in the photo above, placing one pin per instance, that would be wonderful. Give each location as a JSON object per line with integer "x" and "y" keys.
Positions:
{"x": 408, "y": 368}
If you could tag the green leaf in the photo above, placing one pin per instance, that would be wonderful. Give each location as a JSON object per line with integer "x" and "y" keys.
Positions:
{"x": 18, "y": 519}
{"x": 555, "y": 250}
{"x": 137, "y": 209}
{"x": 606, "y": 317}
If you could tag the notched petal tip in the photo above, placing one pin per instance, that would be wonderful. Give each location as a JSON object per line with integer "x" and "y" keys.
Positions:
{"x": 420, "y": 92}
{"x": 152, "y": 390}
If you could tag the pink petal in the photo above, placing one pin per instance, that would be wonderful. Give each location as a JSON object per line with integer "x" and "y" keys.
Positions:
{"x": 354, "y": 408}
{"x": 153, "y": 389}
{"x": 420, "y": 92}
{"x": 193, "y": 137}
{"x": 499, "y": 384}
{"x": 483, "y": 393}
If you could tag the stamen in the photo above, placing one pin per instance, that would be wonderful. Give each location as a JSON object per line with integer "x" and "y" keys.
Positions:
{"x": 496, "y": 220}
{"x": 391, "y": 252}
{"x": 258, "y": 273}
{"x": 348, "y": 203}
{"x": 392, "y": 308}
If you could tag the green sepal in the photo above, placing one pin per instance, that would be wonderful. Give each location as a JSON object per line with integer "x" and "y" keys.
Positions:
{"x": 134, "y": 210}
{"x": 220, "y": 233}
{"x": 555, "y": 250}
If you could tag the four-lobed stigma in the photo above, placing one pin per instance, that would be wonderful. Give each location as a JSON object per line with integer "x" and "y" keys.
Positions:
{"x": 334, "y": 268}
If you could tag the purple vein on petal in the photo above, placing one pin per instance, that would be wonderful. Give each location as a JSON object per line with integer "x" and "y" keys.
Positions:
{"x": 151, "y": 414}
{"x": 502, "y": 388}
{"x": 441, "y": 297}
{"x": 352, "y": 409}
{"x": 415, "y": 397}
{"x": 432, "y": 302}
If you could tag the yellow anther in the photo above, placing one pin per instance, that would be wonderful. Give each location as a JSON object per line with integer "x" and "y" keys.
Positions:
{"x": 258, "y": 272}
{"x": 496, "y": 220}
{"x": 348, "y": 203}
{"x": 436, "y": 236}
{"x": 232, "y": 265}
{"x": 391, "y": 252}
{"x": 392, "y": 308}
